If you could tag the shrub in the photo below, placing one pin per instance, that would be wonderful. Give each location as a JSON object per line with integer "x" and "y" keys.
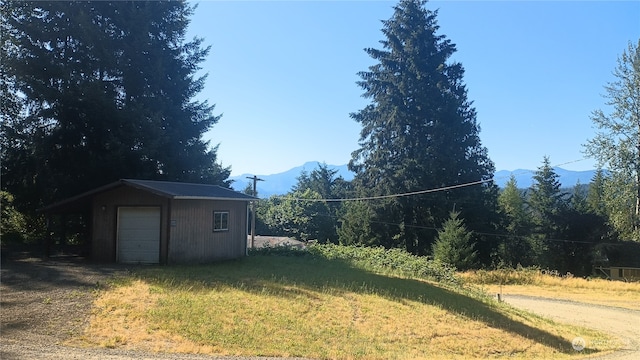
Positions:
{"x": 395, "y": 262}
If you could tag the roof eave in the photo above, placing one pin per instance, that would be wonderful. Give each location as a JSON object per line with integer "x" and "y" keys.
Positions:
{"x": 68, "y": 203}
{"x": 211, "y": 198}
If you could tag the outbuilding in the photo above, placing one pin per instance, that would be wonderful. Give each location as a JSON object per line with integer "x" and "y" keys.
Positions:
{"x": 150, "y": 222}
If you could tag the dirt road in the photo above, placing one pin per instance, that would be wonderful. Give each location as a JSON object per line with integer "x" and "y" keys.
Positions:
{"x": 622, "y": 323}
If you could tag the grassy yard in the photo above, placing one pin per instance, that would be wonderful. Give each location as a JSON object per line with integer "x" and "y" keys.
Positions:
{"x": 339, "y": 303}
{"x": 547, "y": 284}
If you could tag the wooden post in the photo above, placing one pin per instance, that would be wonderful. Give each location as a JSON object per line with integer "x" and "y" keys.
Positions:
{"x": 253, "y": 210}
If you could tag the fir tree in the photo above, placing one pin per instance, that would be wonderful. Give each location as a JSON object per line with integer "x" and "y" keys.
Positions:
{"x": 108, "y": 92}
{"x": 419, "y": 132}
{"x": 516, "y": 247}
{"x": 454, "y": 244}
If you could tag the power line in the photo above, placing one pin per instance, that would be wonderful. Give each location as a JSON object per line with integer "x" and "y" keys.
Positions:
{"x": 523, "y": 237}
{"x": 420, "y": 192}
{"x": 444, "y": 188}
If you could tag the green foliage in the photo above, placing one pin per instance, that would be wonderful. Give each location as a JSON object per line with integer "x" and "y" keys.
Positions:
{"x": 595, "y": 195}
{"x": 17, "y": 227}
{"x": 324, "y": 182}
{"x": 106, "y": 91}
{"x": 621, "y": 253}
{"x": 356, "y": 227}
{"x": 454, "y": 244}
{"x": 565, "y": 231}
{"x": 619, "y": 200}
{"x": 546, "y": 202}
{"x": 395, "y": 262}
{"x": 419, "y": 132}
{"x": 300, "y": 214}
{"x": 13, "y": 223}
{"x": 616, "y": 145}
{"x": 515, "y": 248}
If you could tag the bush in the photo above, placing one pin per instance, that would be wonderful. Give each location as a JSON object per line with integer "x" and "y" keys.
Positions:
{"x": 396, "y": 262}
{"x": 13, "y": 224}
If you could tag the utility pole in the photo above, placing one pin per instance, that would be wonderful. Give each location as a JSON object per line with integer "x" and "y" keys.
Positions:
{"x": 253, "y": 210}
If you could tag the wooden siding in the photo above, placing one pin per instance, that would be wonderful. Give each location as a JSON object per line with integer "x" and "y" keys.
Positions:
{"x": 192, "y": 238}
{"x": 105, "y": 213}
{"x": 625, "y": 273}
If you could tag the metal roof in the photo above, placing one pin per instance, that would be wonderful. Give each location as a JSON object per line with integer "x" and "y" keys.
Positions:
{"x": 177, "y": 190}
{"x": 168, "y": 189}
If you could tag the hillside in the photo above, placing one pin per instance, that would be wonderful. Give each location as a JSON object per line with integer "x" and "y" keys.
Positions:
{"x": 281, "y": 183}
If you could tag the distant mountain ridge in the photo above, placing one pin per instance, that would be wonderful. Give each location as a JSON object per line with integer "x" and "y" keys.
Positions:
{"x": 281, "y": 183}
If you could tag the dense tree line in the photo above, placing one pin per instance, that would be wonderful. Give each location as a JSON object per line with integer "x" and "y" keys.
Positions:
{"x": 95, "y": 91}
{"x": 544, "y": 225}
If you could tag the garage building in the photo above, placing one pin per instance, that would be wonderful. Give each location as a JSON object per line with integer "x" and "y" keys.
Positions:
{"x": 150, "y": 222}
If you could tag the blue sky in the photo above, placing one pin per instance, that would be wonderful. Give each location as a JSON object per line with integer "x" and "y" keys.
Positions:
{"x": 282, "y": 74}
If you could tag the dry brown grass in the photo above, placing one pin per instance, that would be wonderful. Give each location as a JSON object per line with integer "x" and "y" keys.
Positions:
{"x": 592, "y": 291}
{"x": 236, "y": 310}
{"x": 349, "y": 326}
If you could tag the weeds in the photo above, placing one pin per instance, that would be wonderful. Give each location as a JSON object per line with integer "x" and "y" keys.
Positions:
{"x": 395, "y": 262}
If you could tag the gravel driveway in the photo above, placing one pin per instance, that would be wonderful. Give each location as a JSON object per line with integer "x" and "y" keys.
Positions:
{"x": 44, "y": 303}
{"x": 622, "y": 323}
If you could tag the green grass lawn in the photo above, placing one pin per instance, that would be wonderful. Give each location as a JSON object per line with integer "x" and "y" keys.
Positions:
{"x": 338, "y": 302}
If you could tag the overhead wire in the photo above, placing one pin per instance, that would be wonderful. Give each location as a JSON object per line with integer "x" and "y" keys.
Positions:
{"x": 524, "y": 237}
{"x": 419, "y": 192}
{"x": 444, "y": 188}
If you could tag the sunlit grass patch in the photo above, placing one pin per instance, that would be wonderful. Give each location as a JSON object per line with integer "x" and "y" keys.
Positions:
{"x": 535, "y": 282}
{"x": 317, "y": 307}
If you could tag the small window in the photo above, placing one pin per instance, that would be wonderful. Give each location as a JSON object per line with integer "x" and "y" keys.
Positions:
{"x": 220, "y": 220}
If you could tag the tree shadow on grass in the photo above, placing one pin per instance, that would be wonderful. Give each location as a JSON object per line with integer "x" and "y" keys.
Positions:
{"x": 254, "y": 275}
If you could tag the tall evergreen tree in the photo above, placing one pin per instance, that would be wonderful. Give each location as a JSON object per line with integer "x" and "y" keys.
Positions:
{"x": 419, "y": 132}
{"x": 547, "y": 202}
{"x": 108, "y": 91}
{"x": 546, "y": 199}
{"x": 516, "y": 247}
{"x": 595, "y": 195}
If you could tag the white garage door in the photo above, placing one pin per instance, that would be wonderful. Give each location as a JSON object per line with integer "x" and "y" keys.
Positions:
{"x": 139, "y": 235}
